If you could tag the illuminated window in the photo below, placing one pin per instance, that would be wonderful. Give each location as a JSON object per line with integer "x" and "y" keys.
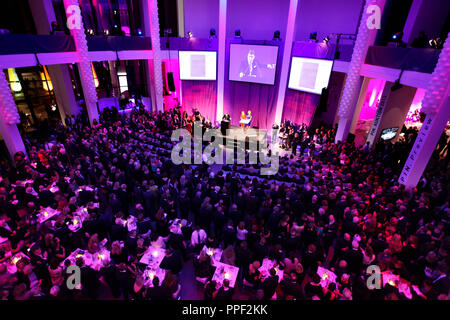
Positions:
{"x": 123, "y": 82}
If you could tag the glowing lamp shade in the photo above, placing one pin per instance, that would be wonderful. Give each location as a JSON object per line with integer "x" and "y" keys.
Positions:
{"x": 47, "y": 83}
{"x": 94, "y": 75}
{"x": 14, "y": 80}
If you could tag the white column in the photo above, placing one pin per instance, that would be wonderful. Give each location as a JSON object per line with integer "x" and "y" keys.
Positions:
{"x": 43, "y": 16}
{"x": 285, "y": 63}
{"x": 9, "y": 118}
{"x": 436, "y": 106}
{"x": 349, "y": 99}
{"x": 75, "y": 23}
{"x": 221, "y": 58}
{"x": 424, "y": 146}
{"x": 180, "y": 14}
{"x": 151, "y": 15}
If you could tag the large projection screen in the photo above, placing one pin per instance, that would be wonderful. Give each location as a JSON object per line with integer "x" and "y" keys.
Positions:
{"x": 197, "y": 65}
{"x": 309, "y": 75}
{"x": 253, "y": 63}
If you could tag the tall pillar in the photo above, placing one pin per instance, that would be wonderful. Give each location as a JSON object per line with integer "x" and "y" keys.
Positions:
{"x": 285, "y": 63}
{"x": 151, "y": 27}
{"x": 221, "y": 58}
{"x": 436, "y": 106}
{"x": 43, "y": 16}
{"x": 180, "y": 14}
{"x": 353, "y": 82}
{"x": 75, "y": 24}
{"x": 9, "y": 118}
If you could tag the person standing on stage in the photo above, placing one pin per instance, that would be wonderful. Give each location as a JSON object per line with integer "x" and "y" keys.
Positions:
{"x": 243, "y": 117}
{"x": 249, "y": 119}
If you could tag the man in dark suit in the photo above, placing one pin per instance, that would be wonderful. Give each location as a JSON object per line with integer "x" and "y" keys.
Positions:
{"x": 225, "y": 292}
{"x": 250, "y": 68}
{"x": 270, "y": 284}
{"x": 158, "y": 292}
{"x": 172, "y": 261}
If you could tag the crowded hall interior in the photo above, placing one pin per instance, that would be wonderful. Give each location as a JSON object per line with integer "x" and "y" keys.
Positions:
{"x": 224, "y": 150}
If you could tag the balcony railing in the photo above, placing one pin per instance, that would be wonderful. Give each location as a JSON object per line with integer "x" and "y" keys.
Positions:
{"x": 117, "y": 43}
{"x": 29, "y": 43}
{"x": 412, "y": 59}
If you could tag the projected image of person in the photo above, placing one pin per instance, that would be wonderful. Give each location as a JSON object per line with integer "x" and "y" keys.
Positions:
{"x": 251, "y": 68}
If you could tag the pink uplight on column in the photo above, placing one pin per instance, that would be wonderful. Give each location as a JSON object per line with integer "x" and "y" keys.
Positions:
{"x": 372, "y": 97}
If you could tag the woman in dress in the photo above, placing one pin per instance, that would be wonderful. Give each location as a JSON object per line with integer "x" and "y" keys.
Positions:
{"x": 243, "y": 117}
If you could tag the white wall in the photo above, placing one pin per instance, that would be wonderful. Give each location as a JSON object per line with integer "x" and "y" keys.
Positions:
{"x": 257, "y": 19}
{"x": 200, "y": 16}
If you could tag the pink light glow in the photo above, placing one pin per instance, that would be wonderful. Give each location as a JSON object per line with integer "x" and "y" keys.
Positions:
{"x": 413, "y": 116}
{"x": 172, "y": 65}
{"x": 372, "y": 98}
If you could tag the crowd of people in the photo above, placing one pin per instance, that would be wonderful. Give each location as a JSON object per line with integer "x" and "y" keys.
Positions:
{"x": 332, "y": 206}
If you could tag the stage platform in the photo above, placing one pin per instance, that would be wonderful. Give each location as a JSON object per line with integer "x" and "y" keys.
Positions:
{"x": 240, "y": 136}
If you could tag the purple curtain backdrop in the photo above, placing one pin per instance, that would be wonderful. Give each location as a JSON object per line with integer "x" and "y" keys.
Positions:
{"x": 299, "y": 107}
{"x": 201, "y": 95}
{"x": 259, "y": 99}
